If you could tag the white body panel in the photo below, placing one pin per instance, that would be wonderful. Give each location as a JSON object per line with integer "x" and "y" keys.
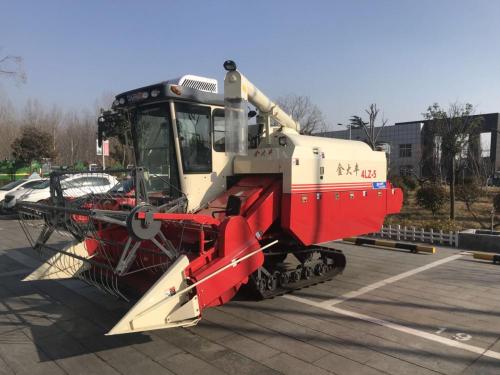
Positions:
{"x": 201, "y": 188}
{"x": 163, "y": 306}
{"x": 316, "y": 163}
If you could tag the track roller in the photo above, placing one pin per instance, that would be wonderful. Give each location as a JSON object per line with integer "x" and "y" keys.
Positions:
{"x": 316, "y": 265}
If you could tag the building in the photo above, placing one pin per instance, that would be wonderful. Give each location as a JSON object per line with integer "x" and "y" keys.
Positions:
{"x": 413, "y": 147}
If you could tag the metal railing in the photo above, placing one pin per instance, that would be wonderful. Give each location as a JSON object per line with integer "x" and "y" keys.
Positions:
{"x": 418, "y": 235}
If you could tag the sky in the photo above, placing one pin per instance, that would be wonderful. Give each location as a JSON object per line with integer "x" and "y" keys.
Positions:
{"x": 401, "y": 55}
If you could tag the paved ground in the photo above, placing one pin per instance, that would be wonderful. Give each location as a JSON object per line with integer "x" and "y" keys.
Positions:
{"x": 390, "y": 312}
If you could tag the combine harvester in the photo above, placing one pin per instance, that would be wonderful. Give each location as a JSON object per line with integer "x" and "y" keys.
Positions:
{"x": 213, "y": 204}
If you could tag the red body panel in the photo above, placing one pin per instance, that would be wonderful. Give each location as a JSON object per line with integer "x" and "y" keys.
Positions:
{"x": 235, "y": 241}
{"x": 320, "y": 214}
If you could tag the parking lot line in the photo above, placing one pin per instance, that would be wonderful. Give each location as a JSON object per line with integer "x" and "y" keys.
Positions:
{"x": 390, "y": 280}
{"x": 397, "y": 327}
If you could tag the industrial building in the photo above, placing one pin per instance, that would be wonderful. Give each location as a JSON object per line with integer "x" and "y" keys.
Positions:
{"x": 410, "y": 145}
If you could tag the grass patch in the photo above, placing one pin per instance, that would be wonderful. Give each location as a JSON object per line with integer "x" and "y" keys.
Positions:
{"x": 414, "y": 216}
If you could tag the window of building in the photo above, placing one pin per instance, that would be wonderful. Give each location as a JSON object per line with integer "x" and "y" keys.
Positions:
{"x": 485, "y": 141}
{"x": 405, "y": 150}
{"x": 406, "y": 170}
{"x": 437, "y": 149}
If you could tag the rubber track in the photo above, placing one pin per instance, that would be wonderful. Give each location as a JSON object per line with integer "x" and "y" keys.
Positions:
{"x": 339, "y": 262}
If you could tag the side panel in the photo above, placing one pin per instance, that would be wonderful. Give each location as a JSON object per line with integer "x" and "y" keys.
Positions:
{"x": 320, "y": 216}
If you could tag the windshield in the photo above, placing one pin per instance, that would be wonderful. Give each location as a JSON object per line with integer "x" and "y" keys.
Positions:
{"x": 12, "y": 185}
{"x": 42, "y": 185}
{"x": 123, "y": 187}
{"x": 154, "y": 148}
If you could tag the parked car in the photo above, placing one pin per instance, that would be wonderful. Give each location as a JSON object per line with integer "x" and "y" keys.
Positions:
{"x": 73, "y": 186}
{"x": 17, "y": 186}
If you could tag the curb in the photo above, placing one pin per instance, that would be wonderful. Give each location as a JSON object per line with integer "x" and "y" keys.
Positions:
{"x": 495, "y": 258}
{"x": 391, "y": 244}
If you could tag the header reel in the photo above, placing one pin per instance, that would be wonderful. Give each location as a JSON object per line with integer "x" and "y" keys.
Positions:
{"x": 108, "y": 239}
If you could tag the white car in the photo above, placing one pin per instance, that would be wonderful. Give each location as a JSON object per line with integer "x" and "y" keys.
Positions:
{"x": 73, "y": 186}
{"x": 18, "y": 185}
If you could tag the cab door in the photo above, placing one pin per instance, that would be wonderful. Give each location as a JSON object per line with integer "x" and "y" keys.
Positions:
{"x": 202, "y": 176}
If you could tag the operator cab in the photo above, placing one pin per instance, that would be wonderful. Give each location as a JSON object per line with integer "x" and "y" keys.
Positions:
{"x": 176, "y": 129}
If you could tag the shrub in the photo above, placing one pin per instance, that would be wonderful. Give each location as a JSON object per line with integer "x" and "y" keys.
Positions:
{"x": 431, "y": 197}
{"x": 410, "y": 182}
{"x": 469, "y": 192}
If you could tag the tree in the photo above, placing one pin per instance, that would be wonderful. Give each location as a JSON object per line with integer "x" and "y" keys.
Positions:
{"x": 302, "y": 110}
{"x": 8, "y": 126}
{"x": 454, "y": 127}
{"x": 33, "y": 144}
{"x": 431, "y": 197}
{"x": 469, "y": 192}
{"x": 12, "y": 67}
{"x": 356, "y": 122}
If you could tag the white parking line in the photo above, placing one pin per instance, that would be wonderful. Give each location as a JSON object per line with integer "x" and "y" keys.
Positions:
{"x": 398, "y": 327}
{"x": 390, "y": 280}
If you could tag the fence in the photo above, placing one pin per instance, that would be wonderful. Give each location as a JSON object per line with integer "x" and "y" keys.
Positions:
{"x": 419, "y": 235}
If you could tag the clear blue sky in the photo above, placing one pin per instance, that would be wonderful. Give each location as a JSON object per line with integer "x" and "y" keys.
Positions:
{"x": 402, "y": 55}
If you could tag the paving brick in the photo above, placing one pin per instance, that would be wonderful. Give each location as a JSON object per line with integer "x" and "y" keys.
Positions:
{"x": 157, "y": 348}
{"x": 73, "y": 357}
{"x": 235, "y": 324}
{"x": 234, "y": 363}
{"x": 298, "y": 349}
{"x": 79, "y": 327}
{"x": 196, "y": 345}
{"x": 397, "y": 366}
{"x": 128, "y": 360}
{"x": 24, "y": 357}
{"x": 341, "y": 365}
{"x": 248, "y": 347}
{"x": 483, "y": 366}
{"x": 188, "y": 364}
{"x": 4, "y": 368}
{"x": 210, "y": 330}
{"x": 293, "y": 366}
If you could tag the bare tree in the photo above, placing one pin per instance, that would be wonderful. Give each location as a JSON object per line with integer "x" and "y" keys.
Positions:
{"x": 104, "y": 101}
{"x": 302, "y": 110}
{"x": 12, "y": 67}
{"x": 72, "y": 133}
{"x": 455, "y": 127}
{"x": 370, "y": 127}
{"x": 8, "y": 126}
{"x": 76, "y": 138}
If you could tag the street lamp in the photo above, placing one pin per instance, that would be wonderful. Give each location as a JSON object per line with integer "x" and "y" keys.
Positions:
{"x": 347, "y": 126}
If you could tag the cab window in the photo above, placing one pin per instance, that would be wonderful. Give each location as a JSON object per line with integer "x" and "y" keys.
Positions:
{"x": 193, "y": 127}
{"x": 219, "y": 131}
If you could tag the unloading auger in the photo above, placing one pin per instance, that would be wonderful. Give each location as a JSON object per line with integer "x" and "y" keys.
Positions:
{"x": 214, "y": 204}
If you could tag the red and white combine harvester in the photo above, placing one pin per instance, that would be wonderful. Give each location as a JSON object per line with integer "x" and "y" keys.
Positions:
{"x": 212, "y": 205}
